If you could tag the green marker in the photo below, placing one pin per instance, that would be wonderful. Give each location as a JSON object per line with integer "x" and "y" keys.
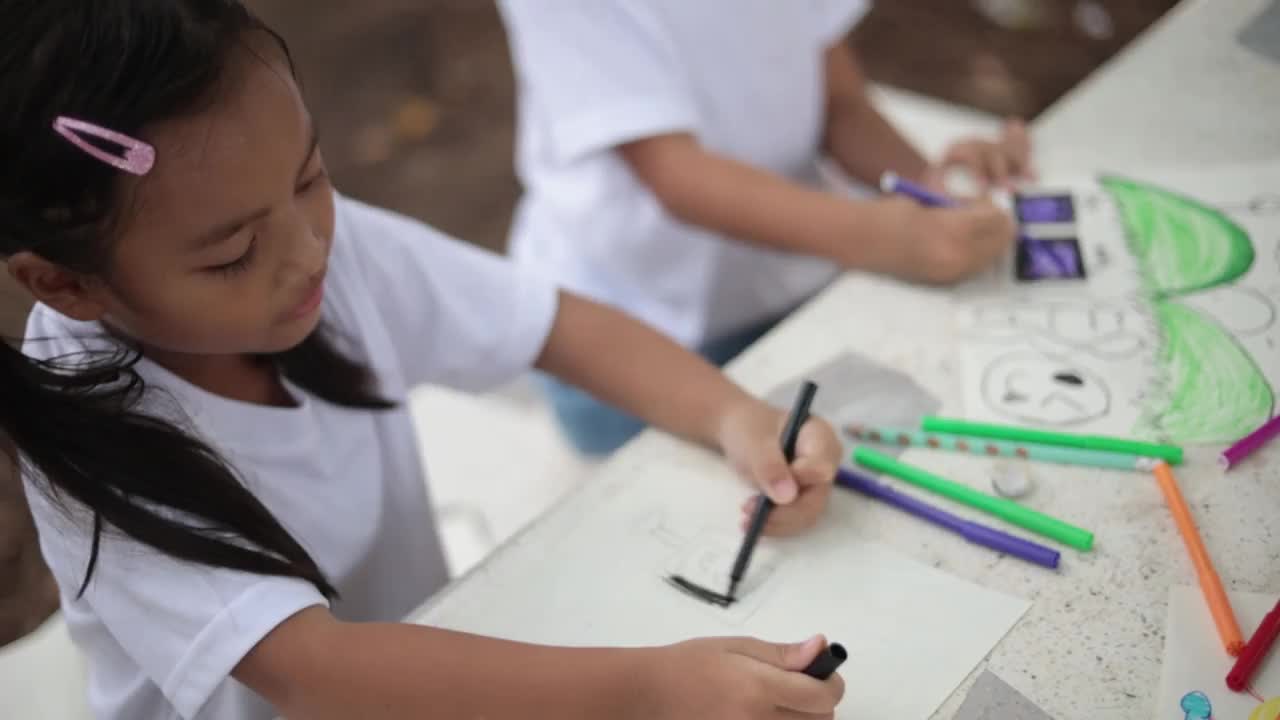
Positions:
{"x": 1006, "y": 510}
{"x": 1000, "y": 448}
{"x": 1169, "y": 453}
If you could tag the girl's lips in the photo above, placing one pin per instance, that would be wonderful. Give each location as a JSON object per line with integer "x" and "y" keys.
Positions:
{"x": 311, "y": 303}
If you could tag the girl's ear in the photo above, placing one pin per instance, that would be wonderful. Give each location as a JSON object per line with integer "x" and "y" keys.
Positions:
{"x": 70, "y": 293}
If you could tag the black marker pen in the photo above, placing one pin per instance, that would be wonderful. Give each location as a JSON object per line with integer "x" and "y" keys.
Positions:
{"x": 799, "y": 415}
{"x": 827, "y": 661}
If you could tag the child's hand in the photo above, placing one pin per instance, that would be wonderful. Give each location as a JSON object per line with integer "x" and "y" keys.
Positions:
{"x": 736, "y": 678}
{"x": 750, "y": 439}
{"x": 993, "y": 164}
{"x": 943, "y": 246}
{"x": 964, "y": 241}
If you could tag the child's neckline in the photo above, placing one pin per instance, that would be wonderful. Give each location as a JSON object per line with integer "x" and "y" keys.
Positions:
{"x": 238, "y": 425}
{"x": 272, "y": 390}
{"x": 295, "y": 399}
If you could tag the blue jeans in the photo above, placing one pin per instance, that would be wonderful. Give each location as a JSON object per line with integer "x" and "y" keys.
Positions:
{"x": 597, "y": 429}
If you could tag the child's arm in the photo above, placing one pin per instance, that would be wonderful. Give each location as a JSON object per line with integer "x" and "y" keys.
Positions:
{"x": 625, "y": 363}
{"x": 314, "y": 666}
{"x": 857, "y": 136}
{"x": 865, "y": 145}
{"x": 890, "y": 235}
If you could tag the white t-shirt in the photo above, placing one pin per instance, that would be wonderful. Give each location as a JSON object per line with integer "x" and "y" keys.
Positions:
{"x": 161, "y": 635}
{"x": 746, "y": 77}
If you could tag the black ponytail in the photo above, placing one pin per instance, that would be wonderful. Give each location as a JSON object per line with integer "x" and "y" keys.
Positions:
{"x": 80, "y": 424}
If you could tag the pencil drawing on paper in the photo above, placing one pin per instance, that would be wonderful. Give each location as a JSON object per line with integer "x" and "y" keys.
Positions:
{"x": 1242, "y": 311}
{"x": 1103, "y": 329}
{"x": 1036, "y": 388}
{"x": 653, "y": 522}
{"x": 705, "y": 562}
{"x": 1175, "y": 345}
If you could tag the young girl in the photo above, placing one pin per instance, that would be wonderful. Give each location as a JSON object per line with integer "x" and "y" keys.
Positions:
{"x": 210, "y": 410}
{"x": 669, "y": 151}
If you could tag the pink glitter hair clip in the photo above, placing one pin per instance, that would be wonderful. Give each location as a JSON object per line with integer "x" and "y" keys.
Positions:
{"x": 137, "y": 157}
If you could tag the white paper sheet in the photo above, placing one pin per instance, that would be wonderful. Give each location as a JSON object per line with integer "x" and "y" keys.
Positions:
{"x": 1193, "y": 680}
{"x": 914, "y": 633}
{"x": 1175, "y": 333}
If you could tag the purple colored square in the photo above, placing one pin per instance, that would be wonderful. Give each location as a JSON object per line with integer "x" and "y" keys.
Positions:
{"x": 1045, "y": 209}
{"x": 1049, "y": 259}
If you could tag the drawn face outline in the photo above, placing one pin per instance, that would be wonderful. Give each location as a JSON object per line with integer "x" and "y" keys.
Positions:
{"x": 1042, "y": 390}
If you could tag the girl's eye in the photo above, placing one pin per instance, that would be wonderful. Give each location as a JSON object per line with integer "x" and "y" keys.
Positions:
{"x": 238, "y": 265}
{"x": 314, "y": 181}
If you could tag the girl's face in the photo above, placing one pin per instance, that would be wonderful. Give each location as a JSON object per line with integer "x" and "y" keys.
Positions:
{"x": 226, "y": 242}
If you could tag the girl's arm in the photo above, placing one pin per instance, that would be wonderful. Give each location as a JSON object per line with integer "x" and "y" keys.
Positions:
{"x": 633, "y": 367}
{"x": 316, "y": 667}
{"x": 629, "y": 365}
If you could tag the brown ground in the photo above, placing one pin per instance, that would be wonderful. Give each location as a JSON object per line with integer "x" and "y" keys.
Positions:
{"x": 414, "y": 102}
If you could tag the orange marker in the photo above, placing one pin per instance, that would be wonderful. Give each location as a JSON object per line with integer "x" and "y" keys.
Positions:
{"x": 1210, "y": 584}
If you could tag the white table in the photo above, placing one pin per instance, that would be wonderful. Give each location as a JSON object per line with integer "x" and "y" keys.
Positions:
{"x": 1091, "y": 646}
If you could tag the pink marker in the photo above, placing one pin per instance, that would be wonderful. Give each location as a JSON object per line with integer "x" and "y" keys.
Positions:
{"x": 1250, "y": 443}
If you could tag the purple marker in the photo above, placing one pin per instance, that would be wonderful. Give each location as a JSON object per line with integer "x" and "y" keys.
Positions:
{"x": 1250, "y": 443}
{"x": 891, "y": 183}
{"x": 969, "y": 530}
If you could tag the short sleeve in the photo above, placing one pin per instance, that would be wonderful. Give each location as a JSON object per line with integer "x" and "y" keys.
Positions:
{"x": 185, "y": 625}
{"x": 600, "y": 74}
{"x": 457, "y": 315}
{"x": 839, "y": 18}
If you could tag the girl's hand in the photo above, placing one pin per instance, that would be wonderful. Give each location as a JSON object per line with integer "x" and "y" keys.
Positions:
{"x": 740, "y": 678}
{"x": 750, "y": 437}
{"x": 994, "y": 164}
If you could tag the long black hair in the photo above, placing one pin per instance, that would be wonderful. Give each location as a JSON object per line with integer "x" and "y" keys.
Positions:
{"x": 77, "y": 422}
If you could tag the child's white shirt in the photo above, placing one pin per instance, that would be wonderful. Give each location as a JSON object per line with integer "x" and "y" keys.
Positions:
{"x": 162, "y": 636}
{"x": 745, "y": 77}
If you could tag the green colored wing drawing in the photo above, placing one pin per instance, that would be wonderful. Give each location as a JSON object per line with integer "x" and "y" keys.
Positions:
{"x": 1181, "y": 245}
{"x": 1215, "y": 391}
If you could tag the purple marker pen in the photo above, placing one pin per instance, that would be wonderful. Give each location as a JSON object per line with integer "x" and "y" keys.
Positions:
{"x": 1250, "y": 443}
{"x": 891, "y": 183}
{"x": 975, "y": 533}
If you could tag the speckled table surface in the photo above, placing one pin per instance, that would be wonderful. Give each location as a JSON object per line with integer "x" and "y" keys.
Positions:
{"x": 1091, "y": 644}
